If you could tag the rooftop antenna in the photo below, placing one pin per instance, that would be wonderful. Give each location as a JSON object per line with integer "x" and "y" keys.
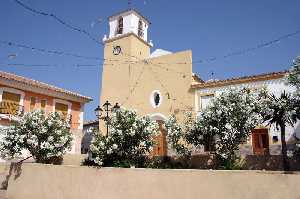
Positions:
{"x": 129, "y": 4}
{"x": 212, "y": 73}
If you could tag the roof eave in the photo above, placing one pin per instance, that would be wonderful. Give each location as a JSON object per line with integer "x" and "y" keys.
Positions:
{"x": 246, "y": 79}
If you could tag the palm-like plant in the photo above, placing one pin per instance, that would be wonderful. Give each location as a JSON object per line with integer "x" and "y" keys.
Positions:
{"x": 283, "y": 111}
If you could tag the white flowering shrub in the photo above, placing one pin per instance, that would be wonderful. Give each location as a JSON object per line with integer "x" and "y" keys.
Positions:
{"x": 130, "y": 138}
{"x": 230, "y": 118}
{"x": 45, "y": 136}
{"x": 222, "y": 126}
{"x": 176, "y": 134}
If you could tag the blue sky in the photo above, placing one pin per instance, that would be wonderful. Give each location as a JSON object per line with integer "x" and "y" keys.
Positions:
{"x": 210, "y": 28}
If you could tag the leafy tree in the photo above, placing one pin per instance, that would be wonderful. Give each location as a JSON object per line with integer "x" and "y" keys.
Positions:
{"x": 283, "y": 111}
{"x": 177, "y": 134}
{"x": 294, "y": 74}
{"x": 130, "y": 138}
{"x": 45, "y": 137}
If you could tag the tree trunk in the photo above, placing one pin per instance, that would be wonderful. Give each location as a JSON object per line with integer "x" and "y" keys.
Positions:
{"x": 286, "y": 166}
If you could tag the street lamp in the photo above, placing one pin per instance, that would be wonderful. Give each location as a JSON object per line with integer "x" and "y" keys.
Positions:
{"x": 107, "y": 109}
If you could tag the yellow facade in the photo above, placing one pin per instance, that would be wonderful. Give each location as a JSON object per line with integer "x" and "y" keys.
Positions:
{"x": 130, "y": 78}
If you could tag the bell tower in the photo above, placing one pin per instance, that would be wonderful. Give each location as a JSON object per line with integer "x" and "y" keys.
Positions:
{"x": 128, "y": 36}
{"x": 125, "y": 48}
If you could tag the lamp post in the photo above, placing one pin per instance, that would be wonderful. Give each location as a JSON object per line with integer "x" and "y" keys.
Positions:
{"x": 107, "y": 109}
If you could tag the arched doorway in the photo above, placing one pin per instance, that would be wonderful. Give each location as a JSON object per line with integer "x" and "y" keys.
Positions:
{"x": 161, "y": 147}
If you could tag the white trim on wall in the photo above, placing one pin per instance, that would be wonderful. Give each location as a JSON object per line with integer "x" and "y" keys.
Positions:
{"x": 62, "y": 102}
{"x": 80, "y": 120}
{"x": 158, "y": 116}
{"x": 13, "y": 90}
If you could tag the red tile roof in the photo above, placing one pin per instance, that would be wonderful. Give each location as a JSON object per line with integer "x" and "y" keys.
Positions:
{"x": 38, "y": 84}
{"x": 239, "y": 80}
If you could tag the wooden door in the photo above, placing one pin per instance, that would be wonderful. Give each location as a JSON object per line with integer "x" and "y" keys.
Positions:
{"x": 260, "y": 141}
{"x": 161, "y": 147}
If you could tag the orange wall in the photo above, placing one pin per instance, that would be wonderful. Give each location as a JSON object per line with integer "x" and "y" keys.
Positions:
{"x": 75, "y": 109}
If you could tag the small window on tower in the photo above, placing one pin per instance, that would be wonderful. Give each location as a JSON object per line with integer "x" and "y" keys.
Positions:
{"x": 140, "y": 29}
{"x": 120, "y": 26}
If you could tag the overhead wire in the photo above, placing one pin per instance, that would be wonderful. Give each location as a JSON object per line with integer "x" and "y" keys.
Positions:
{"x": 135, "y": 85}
{"x": 58, "y": 19}
{"x": 55, "y": 52}
{"x": 214, "y": 58}
{"x": 159, "y": 64}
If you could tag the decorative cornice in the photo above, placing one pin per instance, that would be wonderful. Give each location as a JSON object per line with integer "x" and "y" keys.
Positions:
{"x": 126, "y": 35}
{"x": 240, "y": 80}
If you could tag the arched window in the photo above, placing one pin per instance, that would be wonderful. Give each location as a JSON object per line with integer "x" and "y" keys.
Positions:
{"x": 120, "y": 26}
{"x": 140, "y": 29}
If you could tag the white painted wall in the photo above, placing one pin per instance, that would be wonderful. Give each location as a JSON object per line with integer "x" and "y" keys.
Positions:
{"x": 276, "y": 86}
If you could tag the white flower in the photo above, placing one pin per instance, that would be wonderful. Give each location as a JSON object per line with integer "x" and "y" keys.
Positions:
{"x": 114, "y": 146}
{"x": 143, "y": 144}
{"x": 290, "y": 153}
{"x": 50, "y": 138}
{"x": 109, "y": 151}
{"x": 228, "y": 126}
{"x": 132, "y": 132}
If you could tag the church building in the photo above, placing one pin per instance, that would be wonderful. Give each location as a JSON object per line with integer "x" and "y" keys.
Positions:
{"x": 161, "y": 83}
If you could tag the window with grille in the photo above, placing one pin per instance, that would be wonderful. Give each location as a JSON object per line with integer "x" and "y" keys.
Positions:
{"x": 205, "y": 101}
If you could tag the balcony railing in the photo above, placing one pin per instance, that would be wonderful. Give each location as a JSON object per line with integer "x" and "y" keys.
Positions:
{"x": 11, "y": 108}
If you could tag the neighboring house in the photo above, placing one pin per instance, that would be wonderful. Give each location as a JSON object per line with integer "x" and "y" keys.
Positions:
{"x": 265, "y": 139}
{"x": 88, "y": 128}
{"x": 20, "y": 94}
{"x": 161, "y": 83}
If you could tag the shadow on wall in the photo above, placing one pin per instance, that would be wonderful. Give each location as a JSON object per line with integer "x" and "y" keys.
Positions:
{"x": 270, "y": 162}
{"x": 251, "y": 162}
{"x": 14, "y": 168}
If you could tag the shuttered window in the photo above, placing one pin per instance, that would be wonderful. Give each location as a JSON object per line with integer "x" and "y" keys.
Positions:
{"x": 32, "y": 103}
{"x": 10, "y": 103}
{"x": 205, "y": 101}
{"x": 43, "y": 104}
{"x": 11, "y": 97}
{"x": 61, "y": 108}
